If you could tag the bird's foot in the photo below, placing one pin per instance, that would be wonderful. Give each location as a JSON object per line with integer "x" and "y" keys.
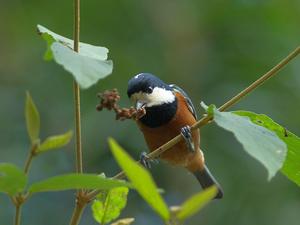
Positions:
{"x": 146, "y": 161}
{"x": 187, "y": 135}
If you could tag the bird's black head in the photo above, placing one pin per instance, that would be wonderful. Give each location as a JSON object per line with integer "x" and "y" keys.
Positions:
{"x": 145, "y": 83}
{"x": 157, "y": 97}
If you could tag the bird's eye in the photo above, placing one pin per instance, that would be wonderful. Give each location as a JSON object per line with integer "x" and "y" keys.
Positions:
{"x": 149, "y": 89}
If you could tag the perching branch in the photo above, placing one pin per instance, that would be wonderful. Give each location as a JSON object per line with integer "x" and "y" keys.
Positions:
{"x": 157, "y": 152}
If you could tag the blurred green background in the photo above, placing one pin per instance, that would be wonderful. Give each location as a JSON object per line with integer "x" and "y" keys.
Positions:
{"x": 212, "y": 49}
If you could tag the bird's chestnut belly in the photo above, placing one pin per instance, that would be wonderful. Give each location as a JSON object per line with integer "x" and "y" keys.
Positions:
{"x": 179, "y": 154}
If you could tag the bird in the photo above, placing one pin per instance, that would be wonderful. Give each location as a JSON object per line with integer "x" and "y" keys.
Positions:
{"x": 170, "y": 112}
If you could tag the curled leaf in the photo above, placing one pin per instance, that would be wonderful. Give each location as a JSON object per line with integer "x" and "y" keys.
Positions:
{"x": 32, "y": 119}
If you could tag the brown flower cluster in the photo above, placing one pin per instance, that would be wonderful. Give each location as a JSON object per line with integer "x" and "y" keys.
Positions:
{"x": 109, "y": 100}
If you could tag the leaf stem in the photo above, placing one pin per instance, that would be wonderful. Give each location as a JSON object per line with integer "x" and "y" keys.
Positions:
{"x": 206, "y": 119}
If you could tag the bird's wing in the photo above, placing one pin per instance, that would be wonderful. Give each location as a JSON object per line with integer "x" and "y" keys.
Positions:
{"x": 187, "y": 98}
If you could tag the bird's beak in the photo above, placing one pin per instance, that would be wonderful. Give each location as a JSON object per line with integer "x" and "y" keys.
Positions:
{"x": 139, "y": 104}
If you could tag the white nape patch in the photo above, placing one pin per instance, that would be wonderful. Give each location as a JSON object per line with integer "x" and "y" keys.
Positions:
{"x": 158, "y": 96}
{"x": 137, "y": 76}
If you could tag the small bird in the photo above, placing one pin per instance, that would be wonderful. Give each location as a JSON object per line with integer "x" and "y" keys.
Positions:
{"x": 169, "y": 112}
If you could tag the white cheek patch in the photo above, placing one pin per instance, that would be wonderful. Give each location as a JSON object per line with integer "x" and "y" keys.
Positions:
{"x": 159, "y": 96}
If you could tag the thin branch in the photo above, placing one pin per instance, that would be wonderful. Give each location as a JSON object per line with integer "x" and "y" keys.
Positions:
{"x": 157, "y": 152}
{"x": 28, "y": 162}
{"x": 18, "y": 215}
{"x": 30, "y": 157}
{"x": 79, "y": 167}
{"x": 19, "y": 199}
{"x": 80, "y": 197}
{"x": 78, "y": 210}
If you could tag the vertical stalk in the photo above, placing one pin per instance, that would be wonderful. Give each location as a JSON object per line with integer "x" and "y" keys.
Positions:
{"x": 79, "y": 167}
{"x": 18, "y": 214}
{"x": 77, "y": 213}
{"x": 80, "y": 198}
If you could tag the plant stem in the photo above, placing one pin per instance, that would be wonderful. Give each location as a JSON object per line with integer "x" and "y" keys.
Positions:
{"x": 80, "y": 197}
{"x": 19, "y": 199}
{"x": 206, "y": 119}
{"x": 79, "y": 167}
{"x": 30, "y": 156}
{"x": 18, "y": 214}
{"x": 28, "y": 162}
{"x": 77, "y": 213}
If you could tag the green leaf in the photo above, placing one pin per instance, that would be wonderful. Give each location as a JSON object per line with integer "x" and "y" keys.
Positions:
{"x": 86, "y": 71}
{"x": 55, "y": 142}
{"x": 91, "y": 51}
{"x": 108, "y": 205}
{"x": 196, "y": 202}
{"x": 76, "y": 181}
{"x": 125, "y": 221}
{"x": 291, "y": 164}
{"x": 87, "y": 66}
{"x": 140, "y": 179}
{"x": 261, "y": 143}
{"x": 12, "y": 179}
{"x": 32, "y": 119}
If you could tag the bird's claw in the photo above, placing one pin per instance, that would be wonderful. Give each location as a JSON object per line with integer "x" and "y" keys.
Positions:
{"x": 187, "y": 135}
{"x": 146, "y": 161}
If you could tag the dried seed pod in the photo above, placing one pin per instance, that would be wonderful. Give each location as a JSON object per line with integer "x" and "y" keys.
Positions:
{"x": 109, "y": 100}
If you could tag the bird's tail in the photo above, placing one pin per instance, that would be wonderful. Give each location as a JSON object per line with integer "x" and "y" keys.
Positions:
{"x": 206, "y": 180}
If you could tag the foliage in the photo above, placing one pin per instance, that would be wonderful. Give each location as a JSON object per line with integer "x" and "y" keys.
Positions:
{"x": 76, "y": 181}
{"x": 32, "y": 119}
{"x": 196, "y": 203}
{"x": 141, "y": 180}
{"x": 12, "y": 179}
{"x": 144, "y": 184}
{"x": 261, "y": 143}
{"x": 55, "y": 142}
{"x": 291, "y": 164}
{"x": 33, "y": 127}
{"x": 108, "y": 204}
{"x": 87, "y": 66}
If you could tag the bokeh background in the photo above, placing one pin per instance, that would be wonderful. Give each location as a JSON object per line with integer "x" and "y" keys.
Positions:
{"x": 212, "y": 49}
